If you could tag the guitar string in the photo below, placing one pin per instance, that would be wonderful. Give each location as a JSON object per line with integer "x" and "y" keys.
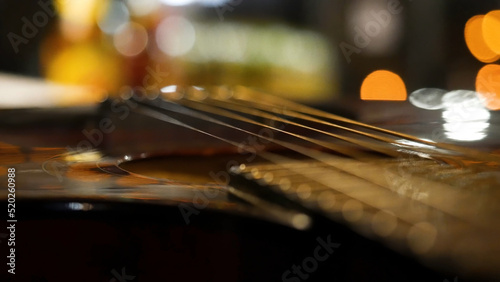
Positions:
{"x": 204, "y": 105}
{"x": 381, "y": 183}
{"x": 423, "y": 228}
{"x": 409, "y": 146}
{"x": 267, "y": 155}
{"x": 415, "y": 223}
{"x": 258, "y": 109}
{"x": 248, "y": 95}
{"x": 388, "y": 146}
{"x": 354, "y": 153}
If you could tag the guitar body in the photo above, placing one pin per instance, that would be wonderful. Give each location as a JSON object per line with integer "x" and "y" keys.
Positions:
{"x": 137, "y": 205}
{"x": 153, "y": 243}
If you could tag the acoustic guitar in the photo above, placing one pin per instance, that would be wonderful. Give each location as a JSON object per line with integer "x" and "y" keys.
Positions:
{"x": 230, "y": 184}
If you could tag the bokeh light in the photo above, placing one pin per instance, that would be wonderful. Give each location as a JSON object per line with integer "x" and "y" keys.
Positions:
{"x": 130, "y": 39}
{"x": 177, "y": 2}
{"x": 211, "y": 3}
{"x": 383, "y": 85}
{"x": 175, "y": 36}
{"x": 427, "y": 98}
{"x": 85, "y": 64}
{"x": 378, "y": 31}
{"x": 142, "y": 7}
{"x": 488, "y": 85}
{"x": 116, "y": 15}
{"x": 491, "y": 30}
{"x": 462, "y": 98}
{"x": 465, "y": 116}
{"x": 152, "y": 43}
{"x": 474, "y": 37}
{"x": 466, "y": 123}
{"x": 77, "y": 17}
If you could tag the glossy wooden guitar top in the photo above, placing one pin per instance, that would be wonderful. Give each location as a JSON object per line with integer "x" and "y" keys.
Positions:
{"x": 237, "y": 151}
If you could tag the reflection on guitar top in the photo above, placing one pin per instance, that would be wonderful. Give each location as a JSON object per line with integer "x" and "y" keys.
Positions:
{"x": 239, "y": 152}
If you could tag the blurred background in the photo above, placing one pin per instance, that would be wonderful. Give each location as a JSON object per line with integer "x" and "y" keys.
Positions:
{"x": 326, "y": 53}
{"x": 314, "y": 51}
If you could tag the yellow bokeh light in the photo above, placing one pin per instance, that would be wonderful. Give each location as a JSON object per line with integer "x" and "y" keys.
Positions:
{"x": 85, "y": 64}
{"x": 383, "y": 85}
{"x": 78, "y": 17}
{"x": 474, "y": 37}
{"x": 84, "y": 12}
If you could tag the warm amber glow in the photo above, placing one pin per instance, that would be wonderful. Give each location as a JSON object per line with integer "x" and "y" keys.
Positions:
{"x": 474, "y": 37}
{"x": 3, "y": 171}
{"x": 78, "y": 17}
{"x": 133, "y": 181}
{"x": 488, "y": 85}
{"x": 383, "y": 85}
{"x": 491, "y": 30}
{"x": 85, "y": 172}
{"x": 85, "y": 64}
